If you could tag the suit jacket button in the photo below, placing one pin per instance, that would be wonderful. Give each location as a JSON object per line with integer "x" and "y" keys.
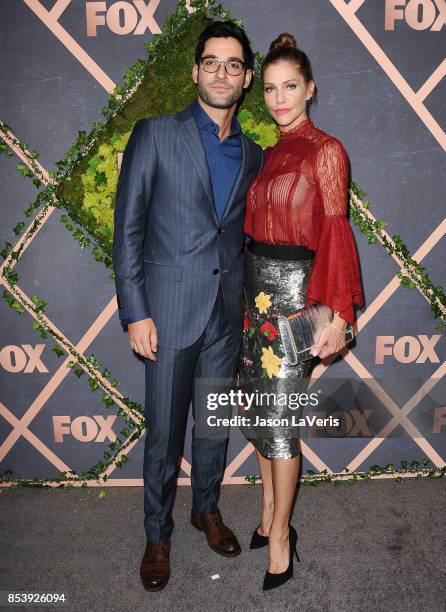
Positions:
{"x": 216, "y": 271}
{"x": 219, "y": 230}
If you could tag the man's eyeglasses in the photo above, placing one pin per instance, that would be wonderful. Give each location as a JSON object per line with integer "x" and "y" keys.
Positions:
{"x": 233, "y": 67}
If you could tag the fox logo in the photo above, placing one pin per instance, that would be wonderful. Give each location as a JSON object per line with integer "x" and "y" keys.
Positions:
{"x": 418, "y": 14}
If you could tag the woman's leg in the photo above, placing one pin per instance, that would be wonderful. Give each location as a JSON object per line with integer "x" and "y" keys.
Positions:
{"x": 267, "y": 496}
{"x": 284, "y": 474}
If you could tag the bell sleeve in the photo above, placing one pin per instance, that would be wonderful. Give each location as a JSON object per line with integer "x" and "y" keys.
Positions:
{"x": 335, "y": 279}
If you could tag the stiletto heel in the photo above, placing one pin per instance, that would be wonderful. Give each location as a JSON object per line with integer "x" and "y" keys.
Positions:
{"x": 271, "y": 581}
{"x": 257, "y": 540}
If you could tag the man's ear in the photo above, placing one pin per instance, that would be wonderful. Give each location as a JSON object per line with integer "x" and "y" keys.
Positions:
{"x": 248, "y": 78}
{"x": 195, "y": 73}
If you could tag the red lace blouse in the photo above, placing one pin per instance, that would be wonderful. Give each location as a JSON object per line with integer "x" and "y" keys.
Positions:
{"x": 300, "y": 198}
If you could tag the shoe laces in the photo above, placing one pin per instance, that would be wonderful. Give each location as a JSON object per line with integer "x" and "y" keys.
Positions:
{"x": 156, "y": 549}
{"x": 214, "y": 521}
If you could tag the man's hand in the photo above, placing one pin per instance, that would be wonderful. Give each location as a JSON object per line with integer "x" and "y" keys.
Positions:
{"x": 143, "y": 338}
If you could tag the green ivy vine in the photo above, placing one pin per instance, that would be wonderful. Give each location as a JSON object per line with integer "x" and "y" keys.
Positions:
{"x": 414, "y": 469}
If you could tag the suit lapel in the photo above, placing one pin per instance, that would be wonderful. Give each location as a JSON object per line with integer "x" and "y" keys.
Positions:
{"x": 191, "y": 137}
{"x": 241, "y": 175}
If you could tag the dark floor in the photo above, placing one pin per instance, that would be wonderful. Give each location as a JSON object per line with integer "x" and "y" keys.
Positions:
{"x": 372, "y": 546}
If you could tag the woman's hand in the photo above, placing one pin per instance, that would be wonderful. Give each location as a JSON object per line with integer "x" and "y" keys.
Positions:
{"x": 331, "y": 340}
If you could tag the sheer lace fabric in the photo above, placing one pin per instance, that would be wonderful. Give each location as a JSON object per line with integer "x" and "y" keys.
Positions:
{"x": 300, "y": 197}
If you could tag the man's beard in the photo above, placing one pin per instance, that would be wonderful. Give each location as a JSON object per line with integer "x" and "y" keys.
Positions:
{"x": 216, "y": 102}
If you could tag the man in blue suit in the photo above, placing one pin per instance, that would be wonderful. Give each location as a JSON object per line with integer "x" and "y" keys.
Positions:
{"x": 178, "y": 261}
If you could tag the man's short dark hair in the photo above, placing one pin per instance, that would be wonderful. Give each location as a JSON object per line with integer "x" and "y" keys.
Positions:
{"x": 225, "y": 29}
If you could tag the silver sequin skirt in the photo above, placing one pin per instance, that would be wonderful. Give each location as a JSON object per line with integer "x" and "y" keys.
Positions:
{"x": 272, "y": 286}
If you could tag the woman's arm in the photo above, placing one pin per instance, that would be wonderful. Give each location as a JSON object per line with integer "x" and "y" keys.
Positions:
{"x": 335, "y": 279}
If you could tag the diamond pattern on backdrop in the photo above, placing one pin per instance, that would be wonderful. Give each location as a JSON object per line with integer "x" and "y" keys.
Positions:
{"x": 399, "y": 414}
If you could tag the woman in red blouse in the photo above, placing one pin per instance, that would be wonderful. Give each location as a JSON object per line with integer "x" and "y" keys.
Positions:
{"x": 302, "y": 251}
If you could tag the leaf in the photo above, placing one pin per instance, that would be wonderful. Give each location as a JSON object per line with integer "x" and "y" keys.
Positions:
{"x": 19, "y": 228}
{"x": 59, "y": 352}
{"x": 24, "y": 170}
{"x": 108, "y": 401}
{"x": 4, "y": 148}
{"x": 100, "y": 178}
{"x": 94, "y": 386}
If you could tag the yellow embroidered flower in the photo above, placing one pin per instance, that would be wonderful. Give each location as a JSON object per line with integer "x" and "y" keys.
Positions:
{"x": 263, "y": 302}
{"x": 270, "y": 361}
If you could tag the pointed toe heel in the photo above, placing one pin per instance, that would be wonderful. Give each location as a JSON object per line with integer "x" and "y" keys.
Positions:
{"x": 257, "y": 540}
{"x": 271, "y": 581}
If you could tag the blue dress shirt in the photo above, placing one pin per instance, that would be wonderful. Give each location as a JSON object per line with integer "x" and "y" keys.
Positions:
{"x": 224, "y": 160}
{"x": 224, "y": 157}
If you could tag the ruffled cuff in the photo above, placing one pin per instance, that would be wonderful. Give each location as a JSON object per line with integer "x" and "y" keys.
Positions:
{"x": 335, "y": 279}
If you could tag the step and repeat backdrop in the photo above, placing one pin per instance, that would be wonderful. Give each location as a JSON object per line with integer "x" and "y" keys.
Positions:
{"x": 380, "y": 68}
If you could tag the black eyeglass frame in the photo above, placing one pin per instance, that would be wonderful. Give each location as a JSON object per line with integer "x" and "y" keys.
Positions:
{"x": 225, "y": 62}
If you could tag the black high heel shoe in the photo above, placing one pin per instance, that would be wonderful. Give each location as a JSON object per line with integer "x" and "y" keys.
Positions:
{"x": 271, "y": 581}
{"x": 257, "y": 540}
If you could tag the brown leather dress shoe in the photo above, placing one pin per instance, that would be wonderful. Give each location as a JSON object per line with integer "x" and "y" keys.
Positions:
{"x": 220, "y": 538}
{"x": 155, "y": 565}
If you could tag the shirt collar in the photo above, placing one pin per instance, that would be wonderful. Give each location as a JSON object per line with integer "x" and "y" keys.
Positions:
{"x": 203, "y": 120}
